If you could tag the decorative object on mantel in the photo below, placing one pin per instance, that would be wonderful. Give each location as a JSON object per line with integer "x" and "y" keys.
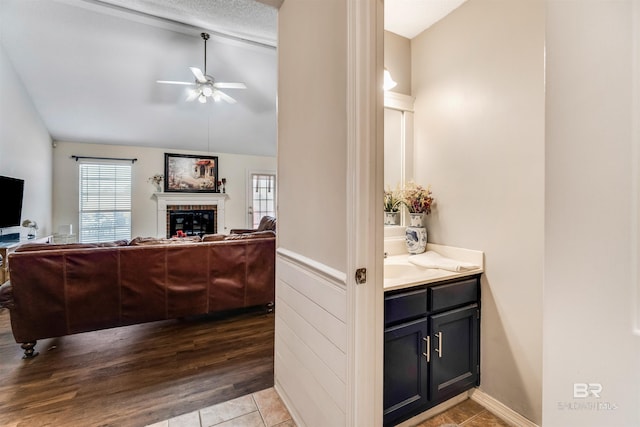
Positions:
{"x": 221, "y": 184}
{"x": 33, "y": 228}
{"x": 190, "y": 173}
{"x": 418, "y": 201}
{"x": 157, "y": 180}
{"x": 392, "y": 203}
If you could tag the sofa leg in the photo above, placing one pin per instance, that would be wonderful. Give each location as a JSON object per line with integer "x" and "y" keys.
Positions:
{"x": 29, "y": 352}
{"x": 269, "y": 307}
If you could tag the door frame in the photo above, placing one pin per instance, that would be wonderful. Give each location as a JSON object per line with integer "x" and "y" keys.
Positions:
{"x": 365, "y": 155}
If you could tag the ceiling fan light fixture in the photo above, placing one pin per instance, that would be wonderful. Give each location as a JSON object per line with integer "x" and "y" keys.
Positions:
{"x": 207, "y": 90}
{"x": 205, "y": 85}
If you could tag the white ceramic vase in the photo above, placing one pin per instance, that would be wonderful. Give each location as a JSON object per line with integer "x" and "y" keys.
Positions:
{"x": 416, "y": 234}
{"x": 391, "y": 218}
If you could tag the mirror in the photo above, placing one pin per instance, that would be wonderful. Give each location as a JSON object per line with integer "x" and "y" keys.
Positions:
{"x": 398, "y": 141}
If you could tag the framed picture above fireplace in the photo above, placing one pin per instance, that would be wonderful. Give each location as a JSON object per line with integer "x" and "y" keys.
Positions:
{"x": 190, "y": 173}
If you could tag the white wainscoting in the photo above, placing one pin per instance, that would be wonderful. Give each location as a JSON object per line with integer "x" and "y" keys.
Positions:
{"x": 311, "y": 340}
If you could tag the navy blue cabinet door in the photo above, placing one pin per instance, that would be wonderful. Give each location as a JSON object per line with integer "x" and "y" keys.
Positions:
{"x": 454, "y": 365}
{"x": 405, "y": 369}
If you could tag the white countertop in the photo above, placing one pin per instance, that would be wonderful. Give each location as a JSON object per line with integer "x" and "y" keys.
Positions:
{"x": 400, "y": 273}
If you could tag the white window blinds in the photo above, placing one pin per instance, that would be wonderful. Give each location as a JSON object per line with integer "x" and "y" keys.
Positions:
{"x": 105, "y": 202}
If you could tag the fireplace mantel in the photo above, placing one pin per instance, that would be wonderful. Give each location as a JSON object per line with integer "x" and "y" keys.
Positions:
{"x": 169, "y": 199}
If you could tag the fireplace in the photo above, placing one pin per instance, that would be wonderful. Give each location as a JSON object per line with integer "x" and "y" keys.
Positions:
{"x": 205, "y": 213}
{"x": 191, "y": 222}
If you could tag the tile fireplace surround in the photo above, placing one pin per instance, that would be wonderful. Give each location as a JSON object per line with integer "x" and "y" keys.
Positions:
{"x": 179, "y": 199}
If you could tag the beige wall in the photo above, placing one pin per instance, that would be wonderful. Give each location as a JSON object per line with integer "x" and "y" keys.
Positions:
{"x": 311, "y": 137}
{"x": 478, "y": 79}
{"x": 311, "y": 369}
{"x": 233, "y": 167}
{"x": 592, "y": 169}
{"x": 397, "y": 59}
{"x": 25, "y": 148}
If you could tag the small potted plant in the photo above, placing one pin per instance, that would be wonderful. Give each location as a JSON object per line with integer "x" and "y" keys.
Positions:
{"x": 392, "y": 203}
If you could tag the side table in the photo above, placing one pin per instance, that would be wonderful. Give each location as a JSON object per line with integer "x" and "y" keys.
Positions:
{"x": 9, "y": 246}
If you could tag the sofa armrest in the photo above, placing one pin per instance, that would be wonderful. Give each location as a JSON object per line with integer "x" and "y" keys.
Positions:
{"x": 6, "y": 295}
{"x": 243, "y": 230}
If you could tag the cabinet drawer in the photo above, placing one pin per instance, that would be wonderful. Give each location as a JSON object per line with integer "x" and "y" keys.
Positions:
{"x": 453, "y": 294}
{"x": 405, "y": 305}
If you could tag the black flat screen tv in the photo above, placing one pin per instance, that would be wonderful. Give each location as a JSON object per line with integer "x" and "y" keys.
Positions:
{"x": 11, "y": 191}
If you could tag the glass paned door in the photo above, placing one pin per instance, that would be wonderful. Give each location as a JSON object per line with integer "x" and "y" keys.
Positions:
{"x": 262, "y": 197}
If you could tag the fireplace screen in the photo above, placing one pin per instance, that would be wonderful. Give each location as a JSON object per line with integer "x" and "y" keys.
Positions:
{"x": 192, "y": 222}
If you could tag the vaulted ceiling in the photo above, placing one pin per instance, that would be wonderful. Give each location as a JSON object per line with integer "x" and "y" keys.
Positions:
{"x": 90, "y": 68}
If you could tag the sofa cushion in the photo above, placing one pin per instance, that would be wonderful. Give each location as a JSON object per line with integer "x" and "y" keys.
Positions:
{"x": 28, "y": 247}
{"x": 113, "y": 244}
{"x": 213, "y": 237}
{"x": 267, "y": 223}
{"x": 144, "y": 241}
{"x": 248, "y": 236}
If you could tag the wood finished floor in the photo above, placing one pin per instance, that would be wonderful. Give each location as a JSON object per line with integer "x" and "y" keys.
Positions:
{"x": 135, "y": 375}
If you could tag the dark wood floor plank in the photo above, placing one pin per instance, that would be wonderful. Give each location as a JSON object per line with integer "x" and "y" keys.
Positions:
{"x": 135, "y": 375}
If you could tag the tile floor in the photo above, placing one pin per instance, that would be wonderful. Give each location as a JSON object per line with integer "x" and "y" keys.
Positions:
{"x": 265, "y": 409}
{"x": 261, "y": 409}
{"x": 468, "y": 413}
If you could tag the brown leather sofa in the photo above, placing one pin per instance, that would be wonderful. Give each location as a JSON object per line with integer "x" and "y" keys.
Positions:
{"x": 58, "y": 290}
{"x": 267, "y": 223}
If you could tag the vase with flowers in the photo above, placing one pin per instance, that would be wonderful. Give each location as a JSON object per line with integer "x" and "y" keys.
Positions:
{"x": 157, "y": 181}
{"x": 418, "y": 200}
{"x": 392, "y": 204}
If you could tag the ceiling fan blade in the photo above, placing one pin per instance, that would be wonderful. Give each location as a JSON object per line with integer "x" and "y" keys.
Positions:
{"x": 225, "y": 97}
{"x": 198, "y": 74}
{"x": 173, "y": 82}
{"x": 193, "y": 95}
{"x": 223, "y": 85}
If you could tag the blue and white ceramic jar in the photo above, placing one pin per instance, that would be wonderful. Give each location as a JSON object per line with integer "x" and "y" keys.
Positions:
{"x": 416, "y": 234}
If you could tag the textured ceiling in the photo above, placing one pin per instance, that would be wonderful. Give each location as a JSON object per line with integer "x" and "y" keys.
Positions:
{"x": 91, "y": 71}
{"x": 248, "y": 19}
{"x": 90, "y": 68}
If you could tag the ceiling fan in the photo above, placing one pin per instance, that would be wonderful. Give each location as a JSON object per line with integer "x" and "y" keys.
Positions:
{"x": 205, "y": 85}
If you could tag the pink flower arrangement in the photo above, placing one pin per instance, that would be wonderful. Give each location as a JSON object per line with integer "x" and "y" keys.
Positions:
{"x": 417, "y": 198}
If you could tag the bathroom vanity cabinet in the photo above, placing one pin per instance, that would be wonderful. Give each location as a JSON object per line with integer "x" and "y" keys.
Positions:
{"x": 431, "y": 345}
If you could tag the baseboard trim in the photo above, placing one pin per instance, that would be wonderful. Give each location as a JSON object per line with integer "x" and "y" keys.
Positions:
{"x": 432, "y": 412}
{"x": 500, "y": 409}
{"x": 287, "y": 403}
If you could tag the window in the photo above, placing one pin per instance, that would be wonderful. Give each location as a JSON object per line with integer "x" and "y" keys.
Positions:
{"x": 262, "y": 196}
{"x": 105, "y": 202}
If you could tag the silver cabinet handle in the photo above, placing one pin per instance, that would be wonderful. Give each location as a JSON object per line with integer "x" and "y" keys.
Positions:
{"x": 439, "y": 349}
{"x": 427, "y": 355}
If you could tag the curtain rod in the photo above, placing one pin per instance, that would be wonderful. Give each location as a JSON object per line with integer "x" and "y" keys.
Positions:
{"x": 103, "y": 158}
